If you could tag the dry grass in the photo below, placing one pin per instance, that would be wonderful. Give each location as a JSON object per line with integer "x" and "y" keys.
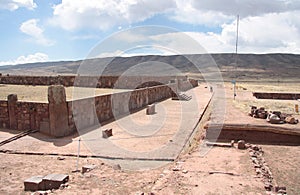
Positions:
{"x": 30, "y": 93}
{"x": 245, "y": 99}
{"x": 270, "y": 87}
{"x": 286, "y": 106}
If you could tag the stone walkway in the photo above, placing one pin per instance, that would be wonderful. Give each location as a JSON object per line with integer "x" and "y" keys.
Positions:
{"x": 151, "y": 137}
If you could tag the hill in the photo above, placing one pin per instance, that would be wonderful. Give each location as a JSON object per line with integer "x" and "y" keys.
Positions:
{"x": 249, "y": 66}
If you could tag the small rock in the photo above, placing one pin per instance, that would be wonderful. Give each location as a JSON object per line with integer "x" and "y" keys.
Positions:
{"x": 255, "y": 148}
{"x": 232, "y": 143}
{"x": 62, "y": 187}
{"x": 282, "y": 191}
{"x": 291, "y": 120}
{"x": 241, "y": 144}
{"x": 117, "y": 167}
{"x": 184, "y": 171}
{"x": 87, "y": 168}
{"x": 268, "y": 186}
{"x": 176, "y": 168}
{"x": 61, "y": 158}
{"x": 277, "y": 188}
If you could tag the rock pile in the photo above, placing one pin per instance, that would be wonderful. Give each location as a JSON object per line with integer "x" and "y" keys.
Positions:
{"x": 262, "y": 169}
{"x": 273, "y": 117}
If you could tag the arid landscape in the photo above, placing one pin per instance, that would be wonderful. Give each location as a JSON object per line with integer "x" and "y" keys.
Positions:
{"x": 222, "y": 170}
{"x": 150, "y": 97}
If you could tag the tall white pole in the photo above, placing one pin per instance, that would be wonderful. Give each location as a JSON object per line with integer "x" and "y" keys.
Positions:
{"x": 236, "y": 53}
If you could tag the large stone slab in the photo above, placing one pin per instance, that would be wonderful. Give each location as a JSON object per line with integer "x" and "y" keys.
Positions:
{"x": 34, "y": 183}
{"x": 53, "y": 181}
{"x": 58, "y": 111}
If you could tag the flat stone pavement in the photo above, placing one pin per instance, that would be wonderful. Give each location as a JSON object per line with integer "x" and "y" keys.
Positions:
{"x": 161, "y": 136}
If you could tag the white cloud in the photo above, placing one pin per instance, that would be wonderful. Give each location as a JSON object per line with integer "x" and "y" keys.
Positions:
{"x": 37, "y": 57}
{"x": 269, "y": 33}
{"x": 103, "y": 14}
{"x": 30, "y": 28}
{"x": 247, "y": 7}
{"x": 16, "y": 4}
{"x": 265, "y": 26}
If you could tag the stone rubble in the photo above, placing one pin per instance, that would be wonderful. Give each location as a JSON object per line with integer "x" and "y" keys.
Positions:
{"x": 273, "y": 117}
{"x": 262, "y": 169}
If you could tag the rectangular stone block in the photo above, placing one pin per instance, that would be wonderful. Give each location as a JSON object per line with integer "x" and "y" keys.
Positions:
{"x": 88, "y": 168}
{"x": 53, "y": 181}
{"x": 150, "y": 109}
{"x": 107, "y": 133}
{"x": 34, "y": 183}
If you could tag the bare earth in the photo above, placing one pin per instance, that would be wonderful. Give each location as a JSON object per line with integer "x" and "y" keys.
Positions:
{"x": 234, "y": 172}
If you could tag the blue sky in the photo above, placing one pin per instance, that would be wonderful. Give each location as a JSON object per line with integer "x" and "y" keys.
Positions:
{"x": 44, "y": 30}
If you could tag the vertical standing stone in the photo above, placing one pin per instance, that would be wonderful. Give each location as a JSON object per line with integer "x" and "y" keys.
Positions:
{"x": 58, "y": 111}
{"x": 12, "y": 107}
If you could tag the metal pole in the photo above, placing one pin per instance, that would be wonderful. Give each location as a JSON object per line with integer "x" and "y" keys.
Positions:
{"x": 236, "y": 53}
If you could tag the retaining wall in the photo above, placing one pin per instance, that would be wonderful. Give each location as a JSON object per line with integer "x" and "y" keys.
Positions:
{"x": 4, "y": 117}
{"x": 279, "y": 96}
{"x": 124, "y": 82}
{"x": 46, "y": 117}
{"x": 88, "y": 112}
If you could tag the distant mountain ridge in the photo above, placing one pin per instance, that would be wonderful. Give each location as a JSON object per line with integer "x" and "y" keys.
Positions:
{"x": 249, "y": 66}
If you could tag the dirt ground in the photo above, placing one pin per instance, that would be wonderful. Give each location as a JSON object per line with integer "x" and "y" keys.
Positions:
{"x": 193, "y": 176}
{"x": 284, "y": 162}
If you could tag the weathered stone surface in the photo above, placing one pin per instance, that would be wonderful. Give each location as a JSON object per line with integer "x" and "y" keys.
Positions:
{"x": 291, "y": 120}
{"x": 150, "y": 109}
{"x": 88, "y": 168}
{"x": 117, "y": 167}
{"x": 12, "y": 110}
{"x": 58, "y": 111}
{"x": 34, "y": 183}
{"x": 107, "y": 133}
{"x": 241, "y": 144}
{"x": 53, "y": 181}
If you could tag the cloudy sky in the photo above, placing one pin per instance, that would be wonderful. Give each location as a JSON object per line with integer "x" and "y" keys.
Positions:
{"x": 44, "y": 30}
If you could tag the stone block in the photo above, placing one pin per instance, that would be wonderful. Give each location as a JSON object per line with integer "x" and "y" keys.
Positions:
{"x": 58, "y": 111}
{"x": 291, "y": 120}
{"x": 107, "y": 133}
{"x": 53, "y": 181}
{"x": 88, "y": 168}
{"x": 150, "y": 109}
{"x": 241, "y": 144}
{"x": 34, "y": 183}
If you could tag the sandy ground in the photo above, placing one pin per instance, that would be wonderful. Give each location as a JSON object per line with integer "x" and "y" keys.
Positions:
{"x": 30, "y": 93}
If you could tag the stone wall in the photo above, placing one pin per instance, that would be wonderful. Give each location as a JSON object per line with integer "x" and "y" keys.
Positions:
{"x": 30, "y": 115}
{"x": 88, "y": 112}
{"x": 4, "y": 118}
{"x": 23, "y": 115}
{"x": 126, "y": 82}
{"x": 60, "y": 118}
{"x": 279, "y": 96}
